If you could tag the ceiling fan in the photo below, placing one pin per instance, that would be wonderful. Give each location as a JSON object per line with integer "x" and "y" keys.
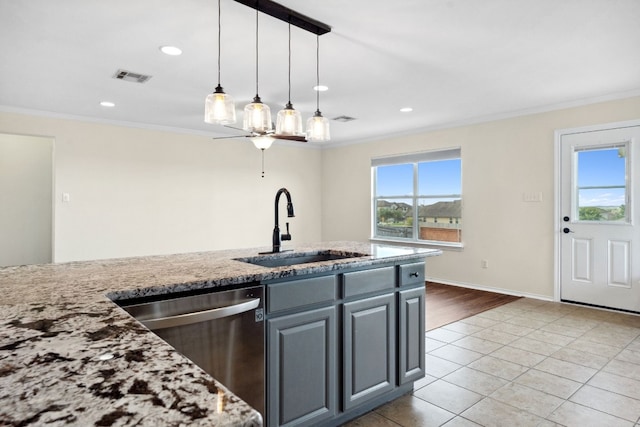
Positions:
{"x": 262, "y": 140}
{"x": 271, "y": 133}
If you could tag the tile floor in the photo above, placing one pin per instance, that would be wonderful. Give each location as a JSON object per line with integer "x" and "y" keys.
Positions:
{"x": 526, "y": 363}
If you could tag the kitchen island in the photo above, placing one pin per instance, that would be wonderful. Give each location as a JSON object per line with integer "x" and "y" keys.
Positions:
{"x": 70, "y": 355}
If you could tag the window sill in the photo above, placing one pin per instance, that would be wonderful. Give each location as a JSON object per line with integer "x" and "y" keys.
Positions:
{"x": 435, "y": 245}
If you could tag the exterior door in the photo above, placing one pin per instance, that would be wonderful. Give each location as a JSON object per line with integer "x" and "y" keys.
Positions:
{"x": 599, "y": 230}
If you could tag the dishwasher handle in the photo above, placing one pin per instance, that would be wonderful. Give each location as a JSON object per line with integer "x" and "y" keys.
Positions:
{"x": 201, "y": 316}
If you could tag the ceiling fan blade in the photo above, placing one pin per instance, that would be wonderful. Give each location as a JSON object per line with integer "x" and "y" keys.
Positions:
{"x": 245, "y": 134}
{"x": 230, "y": 136}
{"x": 290, "y": 137}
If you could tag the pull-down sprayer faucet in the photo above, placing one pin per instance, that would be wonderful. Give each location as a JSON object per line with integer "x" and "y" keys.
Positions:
{"x": 276, "y": 229}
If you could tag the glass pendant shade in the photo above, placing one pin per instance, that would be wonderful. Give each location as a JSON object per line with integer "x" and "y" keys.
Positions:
{"x": 257, "y": 117}
{"x": 318, "y": 128}
{"x": 219, "y": 108}
{"x": 289, "y": 121}
{"x": 262, "y": 142}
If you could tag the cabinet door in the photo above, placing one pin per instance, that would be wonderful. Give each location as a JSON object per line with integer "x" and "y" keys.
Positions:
{"x": 411, "y": 355}
{"x": 369, "y": 349}
{"x": 301, "y": 368}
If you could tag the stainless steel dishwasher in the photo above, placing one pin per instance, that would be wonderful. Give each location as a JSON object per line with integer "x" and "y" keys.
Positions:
{"x": 222, "y": 332}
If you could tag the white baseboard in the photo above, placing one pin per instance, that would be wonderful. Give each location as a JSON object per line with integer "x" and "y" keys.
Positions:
{"x": 489, "y": 289}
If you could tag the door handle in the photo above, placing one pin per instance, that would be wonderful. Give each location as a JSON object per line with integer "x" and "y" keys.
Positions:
{"x": 567, "y": 230}
{"x": 201, "y": 316}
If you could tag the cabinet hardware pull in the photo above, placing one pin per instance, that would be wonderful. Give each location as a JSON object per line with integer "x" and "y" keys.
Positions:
{"x": 414, "y": 274}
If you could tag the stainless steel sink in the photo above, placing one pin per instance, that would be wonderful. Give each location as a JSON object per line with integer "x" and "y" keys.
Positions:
{"x": 294, "y": 258}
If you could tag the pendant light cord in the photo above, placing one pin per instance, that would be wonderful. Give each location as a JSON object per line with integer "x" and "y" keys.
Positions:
{"x": 289, "y": 63}
{"x": 256, "y": 51}
{"x": 219, "y": 42}
{"x": 317, "y": 73}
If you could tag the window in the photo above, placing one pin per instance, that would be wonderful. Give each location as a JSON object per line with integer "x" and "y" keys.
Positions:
{"x": 418, "y": 197}
{"x": 602, "y": 183}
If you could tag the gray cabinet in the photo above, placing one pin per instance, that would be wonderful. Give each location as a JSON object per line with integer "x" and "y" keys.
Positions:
{"x": 301, "y": 368}
{"x": 369, "y": 349}
{"x": 411, "y": 330}
{"x": 341, "y": 344}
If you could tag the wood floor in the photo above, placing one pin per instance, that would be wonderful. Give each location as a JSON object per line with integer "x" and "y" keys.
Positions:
{"x": 446, "y": 303}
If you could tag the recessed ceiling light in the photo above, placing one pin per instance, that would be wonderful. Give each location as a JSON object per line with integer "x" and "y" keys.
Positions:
{"x": 406, "y": 110}
{"x": 321, "y": 88}
{"x": 107, "y": 104}
{"x": 171, "y": 50}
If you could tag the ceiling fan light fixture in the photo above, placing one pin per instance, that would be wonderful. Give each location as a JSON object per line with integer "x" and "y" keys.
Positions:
{"x": 219, "y": 107}
{"x": 262, "y": 142}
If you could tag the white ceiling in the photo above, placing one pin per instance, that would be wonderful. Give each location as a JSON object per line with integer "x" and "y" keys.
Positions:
{"x": 453, "y": 61}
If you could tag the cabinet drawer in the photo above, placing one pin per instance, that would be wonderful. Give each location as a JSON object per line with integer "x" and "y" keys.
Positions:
{"x": 298, "y": 293}
{"x": 362, "y": 282}
{"x": 411, "y": 273}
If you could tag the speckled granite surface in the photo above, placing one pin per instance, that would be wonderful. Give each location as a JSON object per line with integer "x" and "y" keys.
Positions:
{"x": 70, "y": 356}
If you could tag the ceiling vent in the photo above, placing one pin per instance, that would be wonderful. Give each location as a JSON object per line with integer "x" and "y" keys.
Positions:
{"x": 130, "y": 76}
{"x": 344, "y": 119}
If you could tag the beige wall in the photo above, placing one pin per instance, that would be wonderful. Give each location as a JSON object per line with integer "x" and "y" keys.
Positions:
{"x": 141, "y": 192}
{"x": 501, "y": 160}
{"x": 138, "y": 192}
{"x": 26, "y": 175}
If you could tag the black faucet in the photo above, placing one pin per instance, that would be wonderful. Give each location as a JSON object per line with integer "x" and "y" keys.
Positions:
{"x": 276, "y": 229}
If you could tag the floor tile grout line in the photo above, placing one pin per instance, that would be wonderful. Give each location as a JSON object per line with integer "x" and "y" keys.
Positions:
{"x": 387, "y": 418}
{"x": 623, "y": 330}
{"x": 595, "y": 326}
{"x": 597, "y": 410}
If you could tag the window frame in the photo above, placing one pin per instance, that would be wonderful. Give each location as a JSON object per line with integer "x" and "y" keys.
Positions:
{"x": 575, "y": 190}
{"x": 414, "y": 159}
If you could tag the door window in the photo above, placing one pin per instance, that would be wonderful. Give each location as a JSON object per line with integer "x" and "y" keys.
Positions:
{"x": 602, "y": 184}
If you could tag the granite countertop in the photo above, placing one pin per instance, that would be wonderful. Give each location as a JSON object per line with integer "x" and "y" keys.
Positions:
{"x": 70, "y": 356}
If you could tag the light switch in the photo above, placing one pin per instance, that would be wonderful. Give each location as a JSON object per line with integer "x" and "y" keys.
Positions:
{"x": 534, "y": 196}
{"x": 66, "y": 198}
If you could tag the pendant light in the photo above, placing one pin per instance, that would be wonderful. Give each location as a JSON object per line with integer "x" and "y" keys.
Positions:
{"x": 257, "y": 116}
{"x": 318, "y": 126}
{"x": 219, "y": 107}
{"x": 289, "y": 121}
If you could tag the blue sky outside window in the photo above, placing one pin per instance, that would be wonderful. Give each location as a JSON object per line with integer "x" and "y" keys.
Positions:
{"x": 418, "y": 197}
{"x": 601, "y": 177}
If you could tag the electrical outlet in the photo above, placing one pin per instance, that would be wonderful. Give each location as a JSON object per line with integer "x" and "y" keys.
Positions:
{"x": 484, "y": 263}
